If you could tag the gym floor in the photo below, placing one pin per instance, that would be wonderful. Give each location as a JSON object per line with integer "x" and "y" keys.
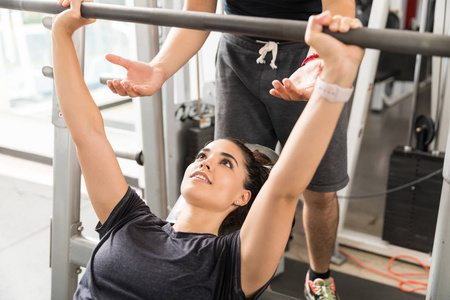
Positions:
{"x": 26, "y": 202}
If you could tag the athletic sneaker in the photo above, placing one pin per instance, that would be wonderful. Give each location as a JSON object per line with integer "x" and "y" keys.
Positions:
{"x": 320, "y": 289}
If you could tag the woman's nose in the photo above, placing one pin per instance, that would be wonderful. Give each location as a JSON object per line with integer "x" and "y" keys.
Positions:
{"x": 205, "y": 164}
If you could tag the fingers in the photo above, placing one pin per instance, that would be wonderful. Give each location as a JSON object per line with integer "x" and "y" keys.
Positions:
{"x": 291, "y": 90}
{"x": 64, "y": 3}
{"x": 355, "y": 23}
{"x": 117, "y": 60}
{"x": 317, "y": 22}
{"x": 131, "y": 86}
{"x": 279, "y": 90}
{"x": 314, "y": 36}
{"x": 343, "y": 24}
{"x": 75, "y": 4}
{"x": 275, "y": 93}
{"x": 286, "y": 91}
{"x": 125, "y": 88}
{"x": 335, "y": 23}
{"x": 73, "y": 16}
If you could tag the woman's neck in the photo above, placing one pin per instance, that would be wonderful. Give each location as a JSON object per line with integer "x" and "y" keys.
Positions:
{"x": 198, "y": 220}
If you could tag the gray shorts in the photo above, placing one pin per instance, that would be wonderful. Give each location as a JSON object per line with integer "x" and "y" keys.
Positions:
{"x": 245, "y": 109}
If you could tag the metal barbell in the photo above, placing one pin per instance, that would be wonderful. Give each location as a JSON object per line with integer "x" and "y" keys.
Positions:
{"x": 392, "y": 40}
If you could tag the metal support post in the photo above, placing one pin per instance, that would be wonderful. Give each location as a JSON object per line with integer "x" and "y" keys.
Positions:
{"x": 417, "y": 70}
{"x": 438, "y": 287}
{"x": 66, "y": 198}
{"x": 4, "y": 29}
{"x": 152, "y": 127}
{"x": 358, "y": 115}
{"x": 440, "y": 81}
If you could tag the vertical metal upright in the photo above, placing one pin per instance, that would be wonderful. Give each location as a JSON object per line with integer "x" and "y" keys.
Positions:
{"x": 152, "y": 123}
{"x": 66, "y": 198}
{"x": 438, "y": 287}
{"x": 417, "y": 70}
{"x": 440, "y": 82}
{"x": 4, "y": 22}
{"x": 169, "y": 120}
{"x": 360, "y": 108}
{"x": 67, "y": 246}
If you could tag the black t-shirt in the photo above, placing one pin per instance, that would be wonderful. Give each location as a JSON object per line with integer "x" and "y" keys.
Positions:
{"x": 280, "y": 9}
{"x": 140, "y": 256}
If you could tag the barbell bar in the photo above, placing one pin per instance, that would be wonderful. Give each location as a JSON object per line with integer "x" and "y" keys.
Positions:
{"x": 392, "y": 40}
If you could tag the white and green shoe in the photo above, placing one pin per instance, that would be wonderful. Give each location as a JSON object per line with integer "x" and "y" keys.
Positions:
{"x": 320, "y": 289}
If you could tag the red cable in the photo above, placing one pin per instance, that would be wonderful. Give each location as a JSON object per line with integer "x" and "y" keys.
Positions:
{"x": 401, "y": 282}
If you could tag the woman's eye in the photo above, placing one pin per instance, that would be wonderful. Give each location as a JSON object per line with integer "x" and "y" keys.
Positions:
{"x": 200, "y": 155}
{"x": 227, "y": 163}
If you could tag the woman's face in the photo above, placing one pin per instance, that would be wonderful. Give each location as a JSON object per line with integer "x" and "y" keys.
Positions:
{"x": 215, "y": 180}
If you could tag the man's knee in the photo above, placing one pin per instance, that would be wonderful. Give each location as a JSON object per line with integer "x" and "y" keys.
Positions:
{"x": 317, "y": 199}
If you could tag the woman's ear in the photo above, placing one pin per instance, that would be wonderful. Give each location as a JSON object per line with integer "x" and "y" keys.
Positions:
{"x": 245, "y": 198}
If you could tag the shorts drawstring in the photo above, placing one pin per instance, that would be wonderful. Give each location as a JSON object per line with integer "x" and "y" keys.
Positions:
{"x": 268, "y": 46}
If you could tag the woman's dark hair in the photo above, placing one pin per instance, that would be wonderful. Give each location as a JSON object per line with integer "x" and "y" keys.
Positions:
{"x": 258, "y": 167}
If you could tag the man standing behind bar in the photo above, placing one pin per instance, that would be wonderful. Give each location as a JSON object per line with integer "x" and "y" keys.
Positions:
{"x": 246, "y": 67}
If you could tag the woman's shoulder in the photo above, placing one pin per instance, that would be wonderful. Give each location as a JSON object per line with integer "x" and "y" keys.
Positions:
{"x": 131, "y": 208}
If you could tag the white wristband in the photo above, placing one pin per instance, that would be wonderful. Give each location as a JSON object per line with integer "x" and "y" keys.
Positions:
{"x": 332, "y": 92}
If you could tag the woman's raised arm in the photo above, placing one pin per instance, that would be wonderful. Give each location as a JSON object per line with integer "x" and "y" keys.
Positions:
{"x": 267, "y": 227}
{"x": 105, "y": 182}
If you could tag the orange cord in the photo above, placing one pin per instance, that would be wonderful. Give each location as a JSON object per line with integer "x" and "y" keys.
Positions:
{"x": 401, "y": 282}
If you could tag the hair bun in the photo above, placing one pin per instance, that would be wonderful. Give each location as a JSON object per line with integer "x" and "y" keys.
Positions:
{"x": 269, "y": 153}
{"x": 262, "y": 158}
